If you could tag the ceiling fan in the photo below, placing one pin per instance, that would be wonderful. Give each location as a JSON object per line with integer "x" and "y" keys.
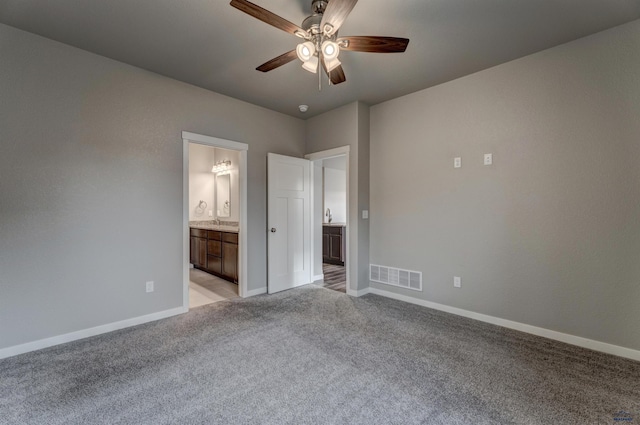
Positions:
{"x": 321, "y": 45}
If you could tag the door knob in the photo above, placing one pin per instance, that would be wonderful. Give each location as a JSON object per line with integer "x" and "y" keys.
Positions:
{"x": 273, "y": 230}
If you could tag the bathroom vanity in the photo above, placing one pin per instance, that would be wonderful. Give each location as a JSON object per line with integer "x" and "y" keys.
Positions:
{"x": 214, "y": 249}
{"x": 333, "y": 243}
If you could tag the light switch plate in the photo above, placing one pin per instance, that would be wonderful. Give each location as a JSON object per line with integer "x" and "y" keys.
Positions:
{"x": 365, "y": 214}
{"x": 457, "y": 162}
{"x": 457, "y": 282}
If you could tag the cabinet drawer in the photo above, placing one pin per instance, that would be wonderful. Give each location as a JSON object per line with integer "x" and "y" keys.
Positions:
{"x": 214, "y": 234}
{"x": 201, "y": 233}
{"x": 332, "y": 230}
{"x": 214, "y": 248}
{"x": 230, "y": 237}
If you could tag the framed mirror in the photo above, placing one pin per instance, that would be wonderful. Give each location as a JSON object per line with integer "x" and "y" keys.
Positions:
{"x": 223, "y": 198}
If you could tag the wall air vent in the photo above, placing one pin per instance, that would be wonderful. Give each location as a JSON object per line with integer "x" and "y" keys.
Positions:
{"x": 396, "y": 277}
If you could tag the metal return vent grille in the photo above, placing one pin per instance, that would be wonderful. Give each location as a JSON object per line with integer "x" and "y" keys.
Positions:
{"x": 396, "y": 277}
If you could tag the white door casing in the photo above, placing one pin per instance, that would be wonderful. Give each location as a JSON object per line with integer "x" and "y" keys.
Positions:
{"x": 289, "y": 222}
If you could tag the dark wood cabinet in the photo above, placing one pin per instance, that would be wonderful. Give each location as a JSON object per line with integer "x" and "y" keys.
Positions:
{"x": 215, "y": 252}
{"x": 333, "y": 244}
{"x": 230, "y": 261}
{"x": 198, "y": 244}
{"x": 230, "y": 256}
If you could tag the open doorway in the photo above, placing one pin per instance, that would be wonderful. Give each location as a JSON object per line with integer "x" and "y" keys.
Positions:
{"x": 330, "y": 223}
{"x": 214, "y": 220}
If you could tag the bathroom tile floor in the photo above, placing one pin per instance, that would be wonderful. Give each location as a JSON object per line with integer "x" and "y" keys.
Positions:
{"x": 205, "y": 288}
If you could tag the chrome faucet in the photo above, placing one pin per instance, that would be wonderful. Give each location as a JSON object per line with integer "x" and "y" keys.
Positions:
{"x": 328, "y": 215}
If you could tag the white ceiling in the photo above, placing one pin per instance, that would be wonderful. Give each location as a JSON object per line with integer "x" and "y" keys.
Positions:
{"x": 210, "y": 44}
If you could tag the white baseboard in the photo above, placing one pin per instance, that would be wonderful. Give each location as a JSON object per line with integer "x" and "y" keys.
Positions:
{"x": 603, "y": 347}
{"x": 255, "y": 292}
{"x": 359, "y": 293}
{"x": 316, "y": 278}
{"x": 85, "y": 333}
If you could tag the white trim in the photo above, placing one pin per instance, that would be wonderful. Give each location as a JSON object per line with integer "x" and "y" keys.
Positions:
{"x": 329, "y": 153}
{"x": 254, "y": 292}
{"x": 359, "y": 293}
{"x": 591, "y": 344}
{"x": 185, "y": 224}
{"x": 317, "y": 278}
{"x": 86, "y": 333}
{"x": 214, "y": 141}
{"x": 243, "y": 247}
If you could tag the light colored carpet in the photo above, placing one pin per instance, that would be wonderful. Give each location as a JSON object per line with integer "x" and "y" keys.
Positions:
{"x": 315, "y": 356}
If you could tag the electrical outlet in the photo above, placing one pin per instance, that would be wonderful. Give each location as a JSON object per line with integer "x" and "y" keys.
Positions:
{"x": 488, "y": 158}
{"x": 457, "y": 282}
{"x": 457, "y": 162}
{"x": 150, "y": 286}
{"x": 365, "y": 214}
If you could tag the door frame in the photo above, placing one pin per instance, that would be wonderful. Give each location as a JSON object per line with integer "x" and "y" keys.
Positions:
{"x": 242, "y": 149}
{"x": 313, "y": 157}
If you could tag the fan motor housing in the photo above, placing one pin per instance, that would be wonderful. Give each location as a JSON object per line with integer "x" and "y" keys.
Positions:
{"x": 312, "y": 23}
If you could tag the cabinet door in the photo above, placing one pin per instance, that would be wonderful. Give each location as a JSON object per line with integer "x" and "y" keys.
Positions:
{"x": 214, "y": 248}
{"x": 202, "y": 252}
{"x": 230, "y": 261}
{"x": 214, "y": 264}
{"x": 325, "y": 247}
{"x": 335, "y": 248}
{"x": 193, "y": 250}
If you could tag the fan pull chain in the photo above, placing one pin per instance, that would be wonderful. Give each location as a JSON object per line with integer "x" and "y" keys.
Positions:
{"x": 319, "y": 75}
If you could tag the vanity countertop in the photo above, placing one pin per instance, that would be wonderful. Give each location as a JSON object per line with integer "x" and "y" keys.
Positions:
{"x": 204, "y": 225}
{"x": 334, "y": 224}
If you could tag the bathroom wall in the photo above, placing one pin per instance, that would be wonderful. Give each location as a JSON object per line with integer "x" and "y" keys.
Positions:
{"x": 335, "y": 194}
{"x": 234, "y": 183}
{"x": 201, "y": 181}
{"x": 317, "y": 224}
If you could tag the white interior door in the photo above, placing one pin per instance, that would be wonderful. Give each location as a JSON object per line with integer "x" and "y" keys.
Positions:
{"x": 289, "y": 221}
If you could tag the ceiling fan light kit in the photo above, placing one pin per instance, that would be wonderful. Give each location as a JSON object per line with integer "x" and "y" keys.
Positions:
{"x": 305, "y": 51}
{"x": 320, "y": 32}
{"x": 311, "y": 65}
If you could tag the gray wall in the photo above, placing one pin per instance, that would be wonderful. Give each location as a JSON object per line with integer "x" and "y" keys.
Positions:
{"x": 344, "y": 126}
{"x": 550, "y": 234}
{"x": 91, "y": 185}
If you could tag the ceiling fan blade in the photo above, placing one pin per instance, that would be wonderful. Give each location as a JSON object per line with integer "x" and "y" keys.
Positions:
{"x": 375, "y": 44}
{"x": 265, "y": 16}
{"x": 336, "y": 12}
{"x": 277, "y": 62}
{"x": 337, "y": 75}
